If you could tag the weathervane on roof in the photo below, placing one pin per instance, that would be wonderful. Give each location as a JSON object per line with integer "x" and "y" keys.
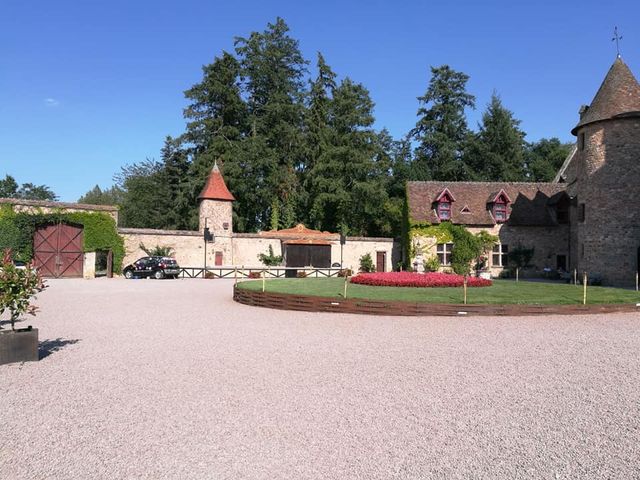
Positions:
{"x": 616, "y": 38}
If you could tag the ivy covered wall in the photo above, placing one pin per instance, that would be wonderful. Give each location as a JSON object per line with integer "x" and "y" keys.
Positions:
{"x": 100, "y": 232}
{"x": 422, "y": 237}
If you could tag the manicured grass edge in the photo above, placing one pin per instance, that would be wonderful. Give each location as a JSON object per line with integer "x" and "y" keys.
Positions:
{"x": 311, "y": 303}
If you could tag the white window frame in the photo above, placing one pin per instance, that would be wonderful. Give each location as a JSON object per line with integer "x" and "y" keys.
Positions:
{"x": 501, "y": 250}
{"x": 445, "y": 250}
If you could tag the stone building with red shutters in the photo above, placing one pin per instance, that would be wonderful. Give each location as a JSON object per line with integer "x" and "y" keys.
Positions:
{"x": 587, "y": 219}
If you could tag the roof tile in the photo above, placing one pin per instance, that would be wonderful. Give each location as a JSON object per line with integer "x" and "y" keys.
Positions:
{"x": 529, "y": 201}
{"x": 215, "y": 188}
{"x": 619, "y": 94}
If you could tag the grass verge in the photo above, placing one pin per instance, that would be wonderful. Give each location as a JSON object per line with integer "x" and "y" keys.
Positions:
{"x": 501, "y": 292}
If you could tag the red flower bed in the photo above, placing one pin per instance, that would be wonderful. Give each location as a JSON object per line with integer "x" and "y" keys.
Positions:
{"x": 409, "y": 279}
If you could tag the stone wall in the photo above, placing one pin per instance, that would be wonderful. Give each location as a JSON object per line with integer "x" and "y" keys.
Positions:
{"x": 243, "y": 248}
{"x": 608, "y": 179}
{"x": 356, "y": 247}
{"x": 548, "y": 243}
{"x": 188, "y": 247}
{"x": 247, "y": 247}
{"x": 217, "y": 214}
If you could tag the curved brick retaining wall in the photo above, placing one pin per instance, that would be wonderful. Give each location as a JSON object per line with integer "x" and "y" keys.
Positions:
{"x": 309, "y": 303}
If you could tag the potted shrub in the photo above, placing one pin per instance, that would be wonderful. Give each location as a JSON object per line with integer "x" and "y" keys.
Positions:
{"x": 18, "y": 286}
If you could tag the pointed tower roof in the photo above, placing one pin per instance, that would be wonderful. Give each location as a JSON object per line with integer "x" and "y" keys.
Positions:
{"x": 215, "y": 188}
{"x": 618, "y": 95}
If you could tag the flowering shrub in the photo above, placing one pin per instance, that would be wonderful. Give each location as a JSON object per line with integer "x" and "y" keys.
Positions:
{"x": 17, "y": 288}
{"x": 409, "y": 279}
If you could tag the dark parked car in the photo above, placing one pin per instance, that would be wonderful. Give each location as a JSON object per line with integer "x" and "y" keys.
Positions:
{"x": 156, "y": 267}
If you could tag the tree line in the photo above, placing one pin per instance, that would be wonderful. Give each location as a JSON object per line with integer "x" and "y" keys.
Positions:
{"x": 9, "y": 188}
{"x": 296, "y": 148}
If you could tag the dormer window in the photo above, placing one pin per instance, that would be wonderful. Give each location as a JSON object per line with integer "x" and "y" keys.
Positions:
{"x": 500, "y": 212}
{"x": 444, "y": 210}
{"x": 443, "y": 205}
{"x": 499, "y": 204}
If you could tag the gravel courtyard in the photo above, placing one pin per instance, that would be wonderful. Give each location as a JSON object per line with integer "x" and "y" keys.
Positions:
{"x": 172, "y": 379}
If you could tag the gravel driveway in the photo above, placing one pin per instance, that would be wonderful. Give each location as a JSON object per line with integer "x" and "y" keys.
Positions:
{"x": 172, "y": 379}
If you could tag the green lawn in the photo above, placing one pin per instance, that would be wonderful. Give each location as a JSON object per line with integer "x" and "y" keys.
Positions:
{"x": 502, "y": 292}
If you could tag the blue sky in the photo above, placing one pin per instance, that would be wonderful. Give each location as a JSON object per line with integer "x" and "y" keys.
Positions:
{"x": 88, "y": 86}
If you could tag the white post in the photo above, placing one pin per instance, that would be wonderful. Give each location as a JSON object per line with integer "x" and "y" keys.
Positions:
{"x": 584, "y": 288}
{"x": 346, "y": 281}
{"x": 465, "y": 289}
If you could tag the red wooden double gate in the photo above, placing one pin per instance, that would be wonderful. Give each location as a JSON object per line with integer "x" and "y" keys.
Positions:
{"x": 58, "y": 251}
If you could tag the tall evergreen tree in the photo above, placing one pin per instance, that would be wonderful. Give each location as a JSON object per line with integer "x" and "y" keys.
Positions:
{"x": 145, "y": 202}
{"x": 317, "y": 127}
{"x": 544, "y": 159}
{"x": 441, "y": 129}
{"x": 27, "y": 191}
{"x": 392, "y": 168}
{"x": 180, "y": 213}
{"x": 97, "y": 196}
{"x": 216, "y": 125}
{"x": 318, "y": 115}
{"x": 273, "y": 69}
{"x": 345, "y": 189}
{"x": 496, "y": 152}
{"x": 8, "y": 187}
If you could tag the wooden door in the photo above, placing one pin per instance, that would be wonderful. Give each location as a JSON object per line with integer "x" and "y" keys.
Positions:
{"x": 58, "y": 250}
{"x": 381, "y": 261}
{"x": 218, "y": 259}
{"x": 318, "y": 256}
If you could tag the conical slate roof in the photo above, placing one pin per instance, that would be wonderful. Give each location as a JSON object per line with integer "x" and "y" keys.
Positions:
{"x": 619, "y": 94}
{"x": 215, "y": 188}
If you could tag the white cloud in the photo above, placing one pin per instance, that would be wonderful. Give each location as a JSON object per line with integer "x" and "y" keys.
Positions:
{"x": 51, "y": 102}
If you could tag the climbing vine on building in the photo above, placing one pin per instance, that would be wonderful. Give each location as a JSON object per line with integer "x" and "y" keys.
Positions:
{"x": 100, "y": 232}
{"x": 467, "y": 247}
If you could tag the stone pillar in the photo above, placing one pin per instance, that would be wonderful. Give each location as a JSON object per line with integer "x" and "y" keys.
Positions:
{"x": 89, "y": 266}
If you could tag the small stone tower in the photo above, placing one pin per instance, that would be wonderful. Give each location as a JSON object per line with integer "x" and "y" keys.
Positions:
{"x": 215, "y": 211}
{"x": 607, "y": 214}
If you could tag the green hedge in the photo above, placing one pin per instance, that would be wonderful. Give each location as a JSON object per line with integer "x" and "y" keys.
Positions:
{"x": 100, "y": 232}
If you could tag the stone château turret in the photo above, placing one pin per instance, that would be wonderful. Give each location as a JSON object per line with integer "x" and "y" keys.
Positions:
{"x": 215, "y": 205}
{"x": 607, "y": 214}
